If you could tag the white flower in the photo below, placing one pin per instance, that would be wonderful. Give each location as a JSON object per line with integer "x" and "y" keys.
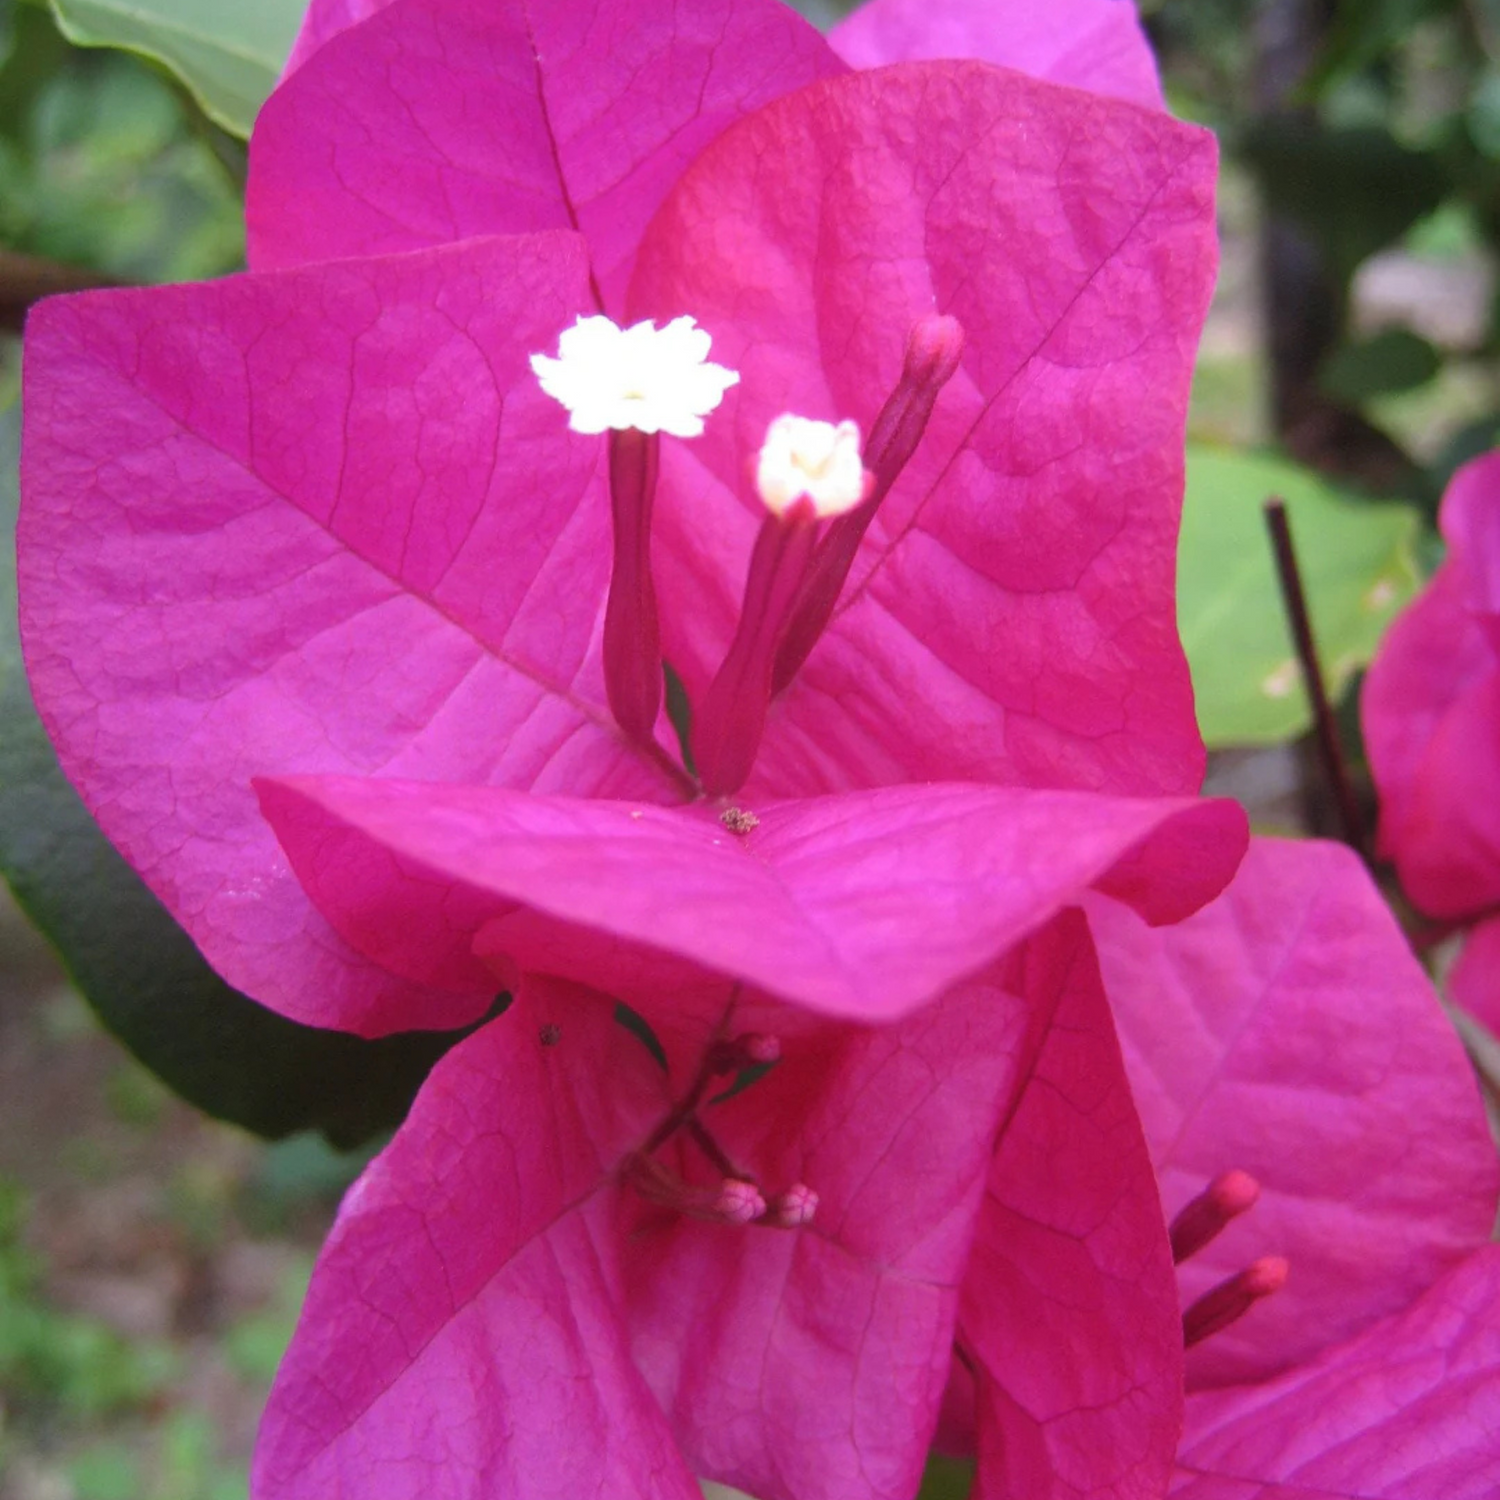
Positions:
{"x": 649, "y": 378}
{"x": 815, "y": 459}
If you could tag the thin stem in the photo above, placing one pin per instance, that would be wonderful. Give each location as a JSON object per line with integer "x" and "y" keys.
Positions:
{"x": 1329, "y": 747}
{"x": 713, "y": 1150}
{"x": 26, "y": 279}
{"x": 632, "y": 645}
{"x": 688, "y": 1105}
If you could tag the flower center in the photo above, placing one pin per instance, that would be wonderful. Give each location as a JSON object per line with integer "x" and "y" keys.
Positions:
{"x": 730, "y": 1195}
{"x": 638, "y": 382}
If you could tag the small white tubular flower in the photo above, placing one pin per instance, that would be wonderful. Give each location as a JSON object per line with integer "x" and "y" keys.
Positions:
{"x": 649, "y": 378}
{"x": 817, "y": 459}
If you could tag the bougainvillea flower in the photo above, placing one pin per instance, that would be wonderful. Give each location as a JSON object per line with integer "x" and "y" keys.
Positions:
{"x": 373, "y": 547}
{"x": 315, "y": 582}
{"x": 1431, "y": 713}
{"x": 1306, "y": 1071}
{"x": 544, "y": 1280}
{"x": 1089, "y": 44}
{"x": 1314, "y": 1056}
{"x": 1408, "y": 1410}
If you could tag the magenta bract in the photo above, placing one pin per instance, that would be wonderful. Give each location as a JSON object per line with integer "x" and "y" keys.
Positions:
{"x": 1431, "y": 714}
{"x": 373, "y": 547}
{"x": 1312, "y": 1054}
{"x": 501, "y": 1283}
{"x": 1431, "y": 711}
{"x": 313, "y": 583}
{"x": 435, "y": 120}
{"x": 1090, "y": 44}
{"x": 1408, "y": 1411}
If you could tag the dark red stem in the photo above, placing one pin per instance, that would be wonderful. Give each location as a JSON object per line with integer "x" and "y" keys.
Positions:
{"x": 933, "y": 351}
{"x": 727, "y": 734}
{"x": 632, "y": 636}
{"x": 1330, "y": 748}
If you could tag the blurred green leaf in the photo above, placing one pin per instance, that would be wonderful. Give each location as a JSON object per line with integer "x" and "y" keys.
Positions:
{"x": 1394, "y": 360}
{"x": 1483, "y": 114}
{"x": 141, "y": 972}
{"x": 254, "y": 1346}
{"x": 1354, "y": 191}
{"x": 946, "y": 1478}
{"x": 1357, "y": 567}
{"x": 1364, "y": 29}
{"x": 109, "y": 1471}
{"x": 99, "y": 167}
{"x": 229, "y": 54}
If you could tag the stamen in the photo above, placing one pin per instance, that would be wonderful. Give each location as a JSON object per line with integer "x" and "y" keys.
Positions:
{"x": 792, "y": 1209}
{"x": 727, "y": 734}
{"x": 933, "y": 351}
{"x": 1232, "y": 1299}
{"x": 1228, "y": 1196}
{"x": 633, "y": 383}
{"x": 816, "y": 461}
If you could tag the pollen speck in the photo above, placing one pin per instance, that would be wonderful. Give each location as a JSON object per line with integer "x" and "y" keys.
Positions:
{"x": 738, "y": 820}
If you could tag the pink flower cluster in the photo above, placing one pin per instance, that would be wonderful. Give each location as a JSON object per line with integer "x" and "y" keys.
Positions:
{"x": 1432, "y": 727}
{"x": 351, "y": 644}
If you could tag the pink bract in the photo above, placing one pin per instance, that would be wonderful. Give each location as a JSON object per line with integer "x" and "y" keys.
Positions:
{"x": 1325, "y": 1067}
{"x": 323, "y": 521}
{"x": 498, "y": 1301}
{"x": 1431, "y": 711}
{"x": 1090, "y": 44}
{"x": 1311, "y": 1052}
{"x": 1410, "y": 1410}
{"x": 434, "y": 120}
{"x": 863, "y": 906}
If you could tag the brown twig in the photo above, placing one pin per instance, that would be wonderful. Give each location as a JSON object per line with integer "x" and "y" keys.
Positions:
{"x": 25, "y": 279}
{"x": 1329, "y": 747}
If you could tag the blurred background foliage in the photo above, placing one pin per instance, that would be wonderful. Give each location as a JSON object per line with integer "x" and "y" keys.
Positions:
{"x": 151, "y": 1260}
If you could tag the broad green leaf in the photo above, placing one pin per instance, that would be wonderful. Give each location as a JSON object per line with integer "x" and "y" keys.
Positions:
{"x": 1358, "y": 570}
{"x": 139, "y": 969}
{"x": 1396, "y": 359}
{"x": 1355, "y": 191}
{"x": 228, "y": 52}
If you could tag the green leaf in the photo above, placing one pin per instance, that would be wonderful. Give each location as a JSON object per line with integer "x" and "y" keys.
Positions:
{"x": 139, "y": 969}
{"x": 1355, "y": 191}
{"x": 228, "y": 52}
{"x": 639, "y": 1027}
{"x": 1394, "y": 360}
{"x": 1357, "y": 566}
